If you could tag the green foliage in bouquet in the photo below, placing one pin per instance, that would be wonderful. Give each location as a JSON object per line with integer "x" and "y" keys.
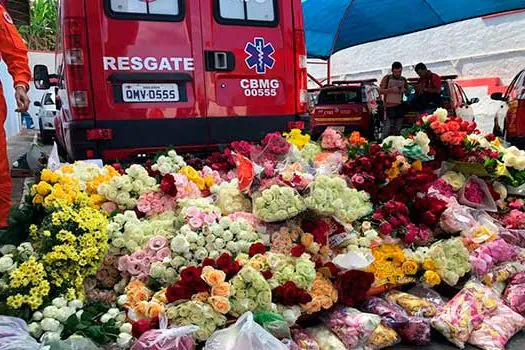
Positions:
{"x": 89, "y": 325}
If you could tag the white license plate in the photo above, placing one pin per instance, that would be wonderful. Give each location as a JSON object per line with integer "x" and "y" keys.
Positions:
{"x": 150, "y": 92}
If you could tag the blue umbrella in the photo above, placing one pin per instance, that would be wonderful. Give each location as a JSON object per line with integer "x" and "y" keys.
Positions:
{"x": 334, "y": 25}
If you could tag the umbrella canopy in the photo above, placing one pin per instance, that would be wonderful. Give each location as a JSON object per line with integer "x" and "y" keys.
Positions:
{"x": 334, "y": 25}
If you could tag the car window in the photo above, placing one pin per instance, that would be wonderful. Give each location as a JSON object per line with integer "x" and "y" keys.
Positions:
{"x": 334, "y": 97}
{"x": 246, "y": 12}
{"x": 148, "y": 10}
{"x": 48, "y": 100}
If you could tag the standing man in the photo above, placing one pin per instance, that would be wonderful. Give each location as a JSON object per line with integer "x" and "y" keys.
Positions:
{"x": 14, "y": 53}
{"x": 393, "y": 87}
{"x": 428, "y": 90}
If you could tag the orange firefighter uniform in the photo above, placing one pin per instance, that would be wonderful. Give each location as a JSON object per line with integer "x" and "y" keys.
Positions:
{"x": 14, "y": 53}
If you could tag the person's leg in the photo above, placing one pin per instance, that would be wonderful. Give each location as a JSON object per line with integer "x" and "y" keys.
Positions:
{"x": 387, "y": 128}
{"x": 5, "y": 177}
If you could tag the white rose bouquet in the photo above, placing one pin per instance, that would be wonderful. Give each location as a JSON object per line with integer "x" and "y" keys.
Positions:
{"x": 170, "y": 163}
{"x": 125, "y": 190}
{"x": 251, "y": 292}
{"x": 230, "y": 199}
{"x": 277, "y": 203}
{"x": 196, "y": 313}
{"x": 330, "y": 195}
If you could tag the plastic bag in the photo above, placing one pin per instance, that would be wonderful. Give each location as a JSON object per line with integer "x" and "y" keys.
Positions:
{"x": 303, "y": 339}
{"x": 412, "y": 304}
{"x": 417, "y": 331}
{"x": 515, "y": 237}
{"x": 273, "y": 323}
{"x": 516, "y": 191}
{"x": 497, "y": 328}
{"x": 352, "y": 326}
{"x": 424, "y": 292}
{"x": 490, "y": 254}
{"x": 245, "y": 334}
{"x": 465, "y": 312}
{"x": 457, "y": 218}
{"x": 167, "y": 338}
{"x": 15, "y": 335}
{"x": 326, "y": 339}
{"x": 392, "y": 315}
{"x": 487, "y": 202}
{"x": 383, "y": 337}
{"x": 514, "y": 295}
{"x": 78, "y": 343}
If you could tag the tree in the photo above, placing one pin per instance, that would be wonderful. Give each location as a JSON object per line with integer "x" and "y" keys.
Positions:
{"x": 40, "y": 34}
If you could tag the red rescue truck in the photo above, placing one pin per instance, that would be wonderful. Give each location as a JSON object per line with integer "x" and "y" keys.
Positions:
{"x": 136, "y": 76}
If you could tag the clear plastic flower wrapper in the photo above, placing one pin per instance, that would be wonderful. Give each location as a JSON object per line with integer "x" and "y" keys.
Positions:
{"x": 352, "y": 326}
{"x": 423, "y": 291}
{"x": 515, "y": 237}
{"x": 514, "y": 295}
{"x": 245, "y": 334}
{"x": 274, "y": 323}
{"x": 303, "y": 339}
{"x": 392, "y": 315}
{"x": 415, "y": 306}
{"x": 490, "y": 254}
{"x": 476, "y": 194}
{"x": 331, "y": 196}
{"x": 457, "y": 218}
{"x": 15, "y": 335}
{"x": 497, "y": 328}
{"x": 326, "y": 339}
{"x": 167, "y": 339}
{"x": 277, "y": 203}
{"x": 383, "y": 337}
{"x": 417, "y": 331}
{"x": 465, "y": 312}
{"x": 230, "y": 199}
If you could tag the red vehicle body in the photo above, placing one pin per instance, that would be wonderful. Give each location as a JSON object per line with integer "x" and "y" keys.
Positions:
{"x": 348, "y": 106}
{"x": 511, "y": 117}
{"x": 137, "y": 76}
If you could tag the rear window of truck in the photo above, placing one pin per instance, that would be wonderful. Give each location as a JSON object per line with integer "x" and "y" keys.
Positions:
{"x": 338, "y": 97}
{"x": 244, "y": 12}
{"x": 163, "y": 10}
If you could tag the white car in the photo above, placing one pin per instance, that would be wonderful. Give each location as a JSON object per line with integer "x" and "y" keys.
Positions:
{"x": 46, "y": 115}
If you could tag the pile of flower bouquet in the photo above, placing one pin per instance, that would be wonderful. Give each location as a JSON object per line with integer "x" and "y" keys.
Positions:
{"x": 339, "y": 243}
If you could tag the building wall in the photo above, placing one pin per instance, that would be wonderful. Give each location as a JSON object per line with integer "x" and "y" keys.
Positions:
{"x": 492, "y": 46}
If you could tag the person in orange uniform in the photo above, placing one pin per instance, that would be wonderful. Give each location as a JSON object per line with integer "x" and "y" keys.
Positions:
{"x": 14, "y": 53}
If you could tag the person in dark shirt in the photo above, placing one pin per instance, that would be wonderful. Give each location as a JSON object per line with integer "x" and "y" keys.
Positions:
{"x": 428, "y": 90}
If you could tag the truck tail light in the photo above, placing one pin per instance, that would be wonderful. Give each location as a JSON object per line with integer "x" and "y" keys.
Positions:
{"x": 77, "y": 71}
{"x": 300, "y": 73}
{"x": 99, "y": 134}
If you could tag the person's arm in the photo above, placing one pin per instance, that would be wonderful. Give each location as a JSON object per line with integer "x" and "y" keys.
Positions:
{"x": 383, "y": 88}
{"x": 14, "y": 53}
{"x": 405, "y": 87}
{"x": 436, "y": 83}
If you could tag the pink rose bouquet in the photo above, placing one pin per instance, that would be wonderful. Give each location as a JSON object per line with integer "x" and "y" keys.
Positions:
{"x": 139, "y": 263}
{"x": 155, "y": 203}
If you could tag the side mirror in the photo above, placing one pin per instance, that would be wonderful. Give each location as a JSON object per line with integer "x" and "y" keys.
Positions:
{"x": 41, "y": 77}
{"x": 473, "y": 100}
{"x": 497, "y": 96}
{"x": 37, "y": 104}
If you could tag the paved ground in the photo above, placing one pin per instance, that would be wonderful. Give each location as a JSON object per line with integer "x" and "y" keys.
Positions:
{"x": 20, "y": 144}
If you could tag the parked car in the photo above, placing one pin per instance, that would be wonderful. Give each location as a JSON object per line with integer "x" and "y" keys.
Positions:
{"x": 46, "y": 115}
{"x": 455, "y": 100}
{"x": 509, "y": 121}
{"x": 348, "y": 106}
{"x": 230, "y": 70}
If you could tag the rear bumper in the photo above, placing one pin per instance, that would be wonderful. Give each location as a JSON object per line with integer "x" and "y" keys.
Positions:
{"x": 132, "y": 137}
